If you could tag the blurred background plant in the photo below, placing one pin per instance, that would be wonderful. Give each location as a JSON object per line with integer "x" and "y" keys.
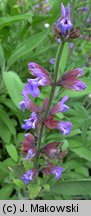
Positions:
{"x": 26, "y": 35}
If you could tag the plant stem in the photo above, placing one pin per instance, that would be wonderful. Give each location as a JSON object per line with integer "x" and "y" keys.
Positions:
{"x": 50, "y": 97}
{"x": 55, "y": 78}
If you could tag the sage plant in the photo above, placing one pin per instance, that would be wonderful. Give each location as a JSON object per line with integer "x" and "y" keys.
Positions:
{"x": 43, "y": 117}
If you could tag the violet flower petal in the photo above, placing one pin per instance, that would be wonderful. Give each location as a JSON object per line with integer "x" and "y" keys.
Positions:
{"x": 31, "y": 122}
{"x": 60, "y": 106}
{"x": 78, "y": 85}
{"x": 37, "y": 70}
{"x": 32, "y": 88}
{"x": 64, "y": 23}
{"x": 29, "y": 175}
{"x": 64, "y": 127}
{"x": 57, "y": 171}
{"x": 31, "y": 153}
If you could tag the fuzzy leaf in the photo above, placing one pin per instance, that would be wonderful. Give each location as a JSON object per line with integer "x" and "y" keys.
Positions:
{"x": 14, "y": 86}
{"x": 11, "y": 149}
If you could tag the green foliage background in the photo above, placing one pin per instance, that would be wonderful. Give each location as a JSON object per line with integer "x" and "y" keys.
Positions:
{"x": 24, "y": 38}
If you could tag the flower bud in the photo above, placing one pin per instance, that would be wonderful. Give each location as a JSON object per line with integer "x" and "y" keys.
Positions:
{"x": 28, "y": 143}
{"x": 75, "y": 33}
{"x": 52, "y": 149}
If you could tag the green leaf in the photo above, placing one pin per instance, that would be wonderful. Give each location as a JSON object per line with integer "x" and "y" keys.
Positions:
{"x": 34, "y": 190}
{"x": 5, "y": 133}
{"x": 5, "y": 167}
{"x": 5, "y": 192}
{"x": 81, "y": 151}
{"x": 65, "y": 145}
{"x": 19, "y": 183}
{"x": 84, "y": 131}
{"x": 14, "y": 86}
{"x": 63, "y": 59}
{"x": 83, "y": 171}
{"x": 11, "y": 149}
{"x": 11, "y": 19}
{"x": 73, "y": 164}
{"x": 54, "y": 137}
{"x": 6, "y": 164}
{"x": 26, "y": 47}
{"x": 7, "y": 121}
{"x": 2, "y": 59}
{"x": 74, "y": 132}
{"x": 78, "y": 187}
{"x": 27, "y": 165}
{"x": 47, "y": 187}
{"x": 74, "y": 144}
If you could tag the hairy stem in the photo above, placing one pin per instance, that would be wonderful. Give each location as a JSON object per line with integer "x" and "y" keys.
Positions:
{"x": 60, "y": 49}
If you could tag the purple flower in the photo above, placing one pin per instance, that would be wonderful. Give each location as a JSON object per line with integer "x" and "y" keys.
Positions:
{"x": 29, "y": 175}
{"x": 36, "y": 6}
{"x": 58, "y": 40}
{"x": 47, "y": 5}
{"x": 27, "y": 103}
{"x": 88, "y": 20}
{"x": 32, "y": 152}
{"x": 52, "y": 169}
{"x": 60, "y": 106}
{"x": 84, "y": 9}
{"x": 52, "y": 61}
{"x": 50, "y": 123}
{"x": 78, "y": 85}
{"x": 28, "y": 143}
{"x": 64, "y": 23}
{"x": 57, "y": 171}
{"x": 31, "y": 122}
{"x": 51, "y": 149}
{"x": 42, "y": 79}
{"x": 22, "y": 105}
{"x": 64, "y": 127}
{"x": 46, "y": 1}
{"x": 38, "y": 71}
{"x": 32, "y": 87}
{"x": 70, "y": 80}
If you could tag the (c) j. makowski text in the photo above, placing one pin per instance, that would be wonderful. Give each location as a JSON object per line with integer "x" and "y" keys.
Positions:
{"x": 40, "y": 208}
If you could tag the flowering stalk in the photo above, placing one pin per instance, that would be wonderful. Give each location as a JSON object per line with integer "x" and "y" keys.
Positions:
{"x": 60, "y": 49}
{"x": 44, "y": 116}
